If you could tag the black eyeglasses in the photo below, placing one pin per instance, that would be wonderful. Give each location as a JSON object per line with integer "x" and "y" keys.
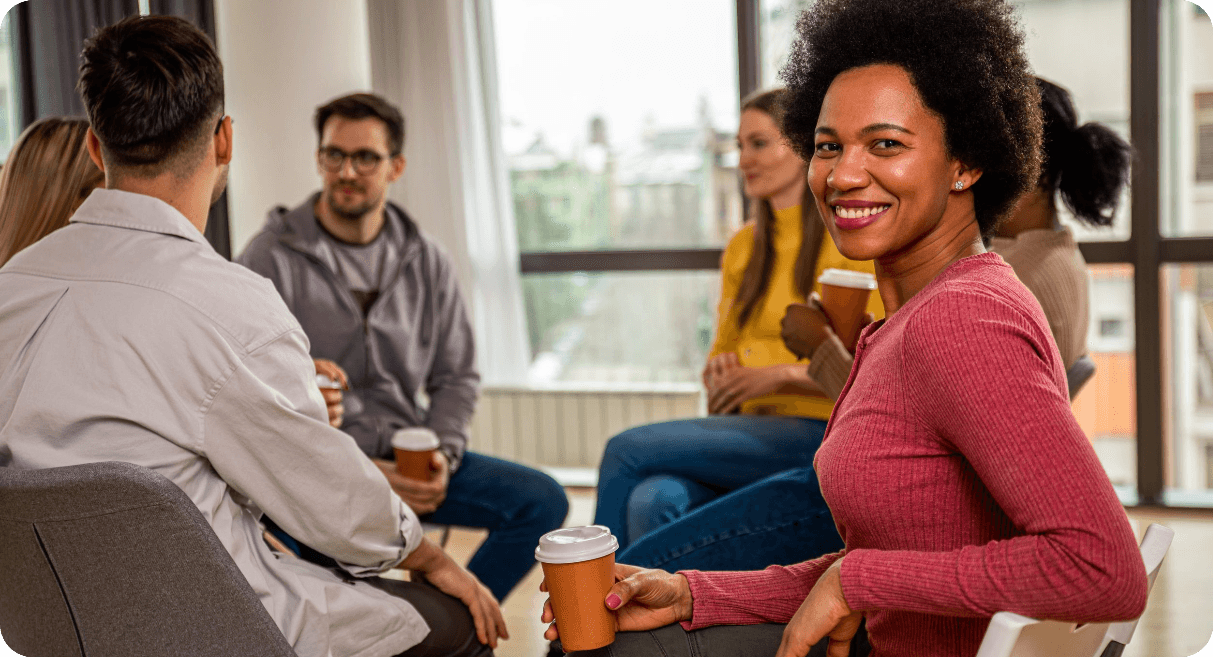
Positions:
{"x": 365, "y": 161}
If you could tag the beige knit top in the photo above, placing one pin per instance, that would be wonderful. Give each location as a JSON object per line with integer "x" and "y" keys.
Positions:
{"x": 1051, "y": 266}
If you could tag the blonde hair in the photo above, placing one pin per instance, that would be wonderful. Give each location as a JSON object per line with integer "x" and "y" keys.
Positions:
{"x": 47, "y": 176}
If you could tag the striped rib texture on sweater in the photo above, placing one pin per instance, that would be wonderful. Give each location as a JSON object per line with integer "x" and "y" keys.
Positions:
{"x": 959, "y": 481}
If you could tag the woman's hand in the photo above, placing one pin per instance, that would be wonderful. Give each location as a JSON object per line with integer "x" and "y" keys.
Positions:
{"x": 718, "y": 366}
{"x": 643, "y": 599}
{"x": 805, "y": 326}
{"x": 333, "y": 396}
{"x": 824, "y": 613}
{"x": 740, "y": 384}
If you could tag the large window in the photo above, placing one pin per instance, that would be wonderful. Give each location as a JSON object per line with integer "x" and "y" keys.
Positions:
{"x": 625, "y": 141}
{"x": 9, "y": 125}
{"x": 1105, "y": 406}
{"x": 587, "y": 228}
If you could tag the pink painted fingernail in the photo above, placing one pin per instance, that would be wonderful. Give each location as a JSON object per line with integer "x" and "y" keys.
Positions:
{"x": 613, "y": 601}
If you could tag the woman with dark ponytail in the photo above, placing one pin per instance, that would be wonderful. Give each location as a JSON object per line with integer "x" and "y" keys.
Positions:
{"x": 663, "y": 487}
{"x": 1086, "y": 166}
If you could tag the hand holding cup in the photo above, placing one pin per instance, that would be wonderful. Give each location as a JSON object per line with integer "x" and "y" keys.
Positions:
{"x": 331, "y": 380}
{"x": 844, "y": 298}
{"x": 805, "y": 326}
{"x": 642, "y": 598}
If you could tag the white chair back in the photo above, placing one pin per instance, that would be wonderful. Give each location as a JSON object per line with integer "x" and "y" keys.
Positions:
{"x": 1012, "y": 635}
{"x": 1154, "y": 546}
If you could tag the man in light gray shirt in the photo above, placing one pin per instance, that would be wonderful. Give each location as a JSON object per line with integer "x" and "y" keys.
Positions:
{"x": 124, "y": 336}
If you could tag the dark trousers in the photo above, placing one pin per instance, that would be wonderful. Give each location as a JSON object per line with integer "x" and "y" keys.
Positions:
{"x": 719, "y": 641}
{"x": 515, "y": 503}
{"x": 452, "y": 631}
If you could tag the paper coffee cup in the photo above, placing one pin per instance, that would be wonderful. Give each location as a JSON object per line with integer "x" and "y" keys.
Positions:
{"x": 414, "y": 447}
{"x": 844, "y": 297}
{"x": 579, "y": 568}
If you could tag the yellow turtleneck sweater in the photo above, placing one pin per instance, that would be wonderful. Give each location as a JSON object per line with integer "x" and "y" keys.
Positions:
{"x": 759, "y": 342}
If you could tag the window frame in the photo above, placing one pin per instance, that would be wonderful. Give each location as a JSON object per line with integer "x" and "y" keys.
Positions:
{"x": 1146, "y": 248}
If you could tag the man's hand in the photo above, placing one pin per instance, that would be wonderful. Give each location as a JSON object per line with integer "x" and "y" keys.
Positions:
{"x": 422, "y": 496}
{"x": 824, "y": 613}
{"x": 740, "y": 384}
{"x": 805, "y": 326}
{"x": 431, "y": 563}
{"x": 643, "y": 599}
{"x": 333, "y": 396}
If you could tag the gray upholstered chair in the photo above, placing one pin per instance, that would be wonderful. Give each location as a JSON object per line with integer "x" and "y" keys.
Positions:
{"x": 1079, "y": 373}
{"x": 114, "y": 559}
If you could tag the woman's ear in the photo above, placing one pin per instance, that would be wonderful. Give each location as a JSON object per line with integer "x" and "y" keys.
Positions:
{"x": 963, "y": 176}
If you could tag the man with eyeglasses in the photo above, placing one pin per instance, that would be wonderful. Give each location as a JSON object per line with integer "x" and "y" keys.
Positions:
{"x": 379, "y": 298}
{"x": 125, "y": 337}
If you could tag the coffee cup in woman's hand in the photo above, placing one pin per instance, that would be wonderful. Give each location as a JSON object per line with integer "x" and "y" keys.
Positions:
{"x": 804, "y": 327}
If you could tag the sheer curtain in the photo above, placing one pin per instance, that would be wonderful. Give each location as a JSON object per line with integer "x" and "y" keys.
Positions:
{"x": 436, "y": 60}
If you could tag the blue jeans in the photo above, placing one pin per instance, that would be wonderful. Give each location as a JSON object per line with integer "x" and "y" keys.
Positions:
{"x": 515, "y": 503}
{"x": 716, "y": 493}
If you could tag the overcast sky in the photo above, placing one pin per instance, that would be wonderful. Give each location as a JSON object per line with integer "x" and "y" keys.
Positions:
{"x": 560, "y": 62}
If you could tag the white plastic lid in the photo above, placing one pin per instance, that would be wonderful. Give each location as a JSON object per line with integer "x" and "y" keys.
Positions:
{"x": 576, "y": 544}
{"x": 847, "y": 278}
{"x": 323, "y": 381}
{"x": 415, "y": 439}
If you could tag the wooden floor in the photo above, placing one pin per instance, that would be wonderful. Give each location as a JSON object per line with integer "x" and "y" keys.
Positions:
{"x": 1178, "y": 621}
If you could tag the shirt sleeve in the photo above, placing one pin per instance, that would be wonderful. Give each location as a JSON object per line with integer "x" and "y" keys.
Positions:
{"x": 732, "y": 269}
{"x": 984, "y": 378}
{"x": 266, "y": 434}
{"x": 453, "y": 385}
{"x": 752, "y": 597}
{"x": 830, "y": 366}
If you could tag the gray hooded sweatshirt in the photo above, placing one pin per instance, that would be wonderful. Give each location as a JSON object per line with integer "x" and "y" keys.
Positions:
{"x": 415, "y": 343}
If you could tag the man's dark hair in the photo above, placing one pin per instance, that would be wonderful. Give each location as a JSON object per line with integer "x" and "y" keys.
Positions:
{"x": 364, "y": 106}
{"x": 966, "y": 59}
{"x": 153, "y": 88}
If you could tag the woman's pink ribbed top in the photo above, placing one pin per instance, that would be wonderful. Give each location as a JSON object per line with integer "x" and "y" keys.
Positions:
{"x": 959, "y": 480}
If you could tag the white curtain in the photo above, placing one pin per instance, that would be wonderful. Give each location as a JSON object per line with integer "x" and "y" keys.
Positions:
{"x": 436, "y": 60}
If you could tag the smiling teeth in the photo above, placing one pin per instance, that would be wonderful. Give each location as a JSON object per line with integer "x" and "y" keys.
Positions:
{"x": 858, "y": 213}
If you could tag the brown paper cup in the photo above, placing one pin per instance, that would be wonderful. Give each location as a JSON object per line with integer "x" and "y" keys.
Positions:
{"x": 844, "y": 298}
{"x": 578, "y": 592}
{"x": 414, "y": 447}
{"x": 414, "y": 465}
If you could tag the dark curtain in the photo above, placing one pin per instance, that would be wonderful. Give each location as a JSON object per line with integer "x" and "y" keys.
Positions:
{"x": 54, "y": 32}
{"x": 202, "y": 14}
{"x": 50, "y": 36}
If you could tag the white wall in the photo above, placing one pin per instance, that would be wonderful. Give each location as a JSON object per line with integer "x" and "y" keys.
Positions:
{"x": 281, "y": 60}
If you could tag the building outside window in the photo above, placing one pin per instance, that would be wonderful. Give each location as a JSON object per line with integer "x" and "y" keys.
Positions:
{"x": 625, "y": 141}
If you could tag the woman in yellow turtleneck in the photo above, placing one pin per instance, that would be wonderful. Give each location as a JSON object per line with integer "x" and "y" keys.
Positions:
{"x": 728, "y": 491}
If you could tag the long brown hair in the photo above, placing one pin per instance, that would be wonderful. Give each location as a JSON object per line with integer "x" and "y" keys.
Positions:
{"x": 756, "y": 280}
{"x": 47, "y": 176}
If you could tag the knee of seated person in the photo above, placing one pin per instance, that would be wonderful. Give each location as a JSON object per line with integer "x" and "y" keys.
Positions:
{"x": 659, "y": 495}
{"x": 627, "y": 442}
{"x": 546, "y": 497}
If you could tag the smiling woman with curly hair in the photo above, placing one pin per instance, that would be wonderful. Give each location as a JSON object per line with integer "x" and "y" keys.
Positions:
{"x": 958, "y": 478}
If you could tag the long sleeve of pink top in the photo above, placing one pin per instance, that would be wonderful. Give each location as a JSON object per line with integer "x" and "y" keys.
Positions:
{"x": 959, "y": 480}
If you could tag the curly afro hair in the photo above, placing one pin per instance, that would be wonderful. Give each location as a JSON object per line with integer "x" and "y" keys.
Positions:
{"x": 965, "y": 57}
